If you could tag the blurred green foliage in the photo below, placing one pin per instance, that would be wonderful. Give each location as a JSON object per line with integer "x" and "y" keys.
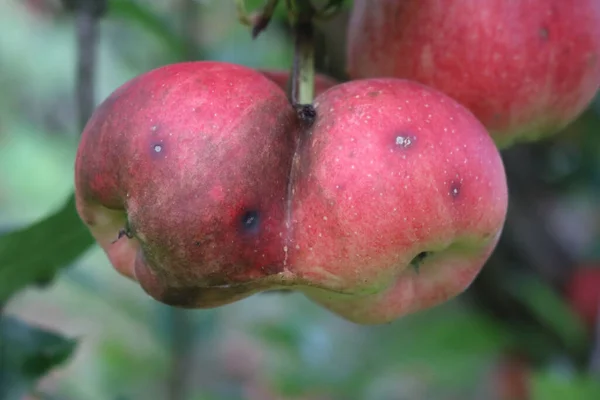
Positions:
{"x": 27, "y": 354}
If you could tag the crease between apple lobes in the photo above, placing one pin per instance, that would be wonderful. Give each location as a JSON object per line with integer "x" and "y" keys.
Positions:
{"x": 395, "y": 196}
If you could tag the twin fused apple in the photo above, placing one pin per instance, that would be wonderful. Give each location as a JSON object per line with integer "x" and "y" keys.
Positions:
{"x": 200, "y": 182}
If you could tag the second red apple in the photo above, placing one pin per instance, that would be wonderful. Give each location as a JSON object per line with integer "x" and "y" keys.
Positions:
{"x": 525, "y": 68}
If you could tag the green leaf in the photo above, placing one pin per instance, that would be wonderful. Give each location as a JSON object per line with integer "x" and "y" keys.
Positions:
{"x": 35, "y": 253}
{"x": 555, "y": 386}
{"x": 551, "y": 310}
{"x": 152, "y": 23}
{"x": 26, "y": 354}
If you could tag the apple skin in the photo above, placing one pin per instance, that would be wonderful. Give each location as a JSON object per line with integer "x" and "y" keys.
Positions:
{"x": 525, "y": 68}
{"x": 282, "y": 79}
{"x": 389, "y": 203}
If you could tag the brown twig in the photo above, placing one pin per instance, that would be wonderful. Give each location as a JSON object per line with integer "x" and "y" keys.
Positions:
{"x": 87, "y": 14}
{"x": 258, "y": 21}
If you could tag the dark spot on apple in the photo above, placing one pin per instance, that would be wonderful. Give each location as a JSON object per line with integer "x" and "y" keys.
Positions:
{"x": 418, "y": 260}
{"x": 157, "y": 150}
{"x": 404, "y": 140}
{"x": 250, "y": 221}
{"x": 488, "y": 235}
{"x": 373, "y": 94}
{"x": 543, "y": 32}
{"x": 271, "y": 269}
{"x": 125, "y": 231}
{"x": 454, "y": 190}
{"x": 306, "y": 113}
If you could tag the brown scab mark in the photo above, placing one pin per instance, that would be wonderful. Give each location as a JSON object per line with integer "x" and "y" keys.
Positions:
{"x": 418, "y": 260}
{"x": 544, "y": 33}
{"x": 125, "y": 231}
{"x": 374, "y": 93}
{"x": 455, "y": 187}
{"x": 307, "y": 114}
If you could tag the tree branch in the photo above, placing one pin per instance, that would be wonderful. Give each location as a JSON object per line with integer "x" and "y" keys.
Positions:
{"x": 87, "y": 14}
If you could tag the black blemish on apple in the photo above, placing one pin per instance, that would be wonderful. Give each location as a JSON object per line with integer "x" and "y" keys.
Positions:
{"x": 250, "y": 222}
{"x": 455, "y": 189}
{"x": 157, "y": 150}
{"x": 125, "y": 231}
{"x": 543, "y": 32}
{"x": 418, "y": 260}
{"x": 306, "y": 113}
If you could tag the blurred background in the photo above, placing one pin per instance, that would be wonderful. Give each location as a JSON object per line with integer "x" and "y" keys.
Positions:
{"x": 528, "y": 328}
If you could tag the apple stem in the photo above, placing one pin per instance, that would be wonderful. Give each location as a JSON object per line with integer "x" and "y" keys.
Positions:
{"x": 303, "y": 71}
{"x": 301, "y": 14}
{"x": 330, "y": 10}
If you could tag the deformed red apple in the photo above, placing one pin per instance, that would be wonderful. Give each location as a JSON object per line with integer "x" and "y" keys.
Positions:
{"x": 525, "y": 68}
{"x": 200, "y": 181}
{"x": 282, "y": 79}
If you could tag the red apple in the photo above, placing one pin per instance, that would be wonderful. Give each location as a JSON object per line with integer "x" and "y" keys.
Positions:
{"x": 199, "y": 180}
{"x": 282, "y": 79}
{"x": 525, "y": 68}
{"x": 511, "y": 378}
{"x": 583, "y": 294}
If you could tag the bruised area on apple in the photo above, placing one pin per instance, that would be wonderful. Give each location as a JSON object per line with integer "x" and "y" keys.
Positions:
{"x": 524, "y": 68}
{"x": 199, "y": 181}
